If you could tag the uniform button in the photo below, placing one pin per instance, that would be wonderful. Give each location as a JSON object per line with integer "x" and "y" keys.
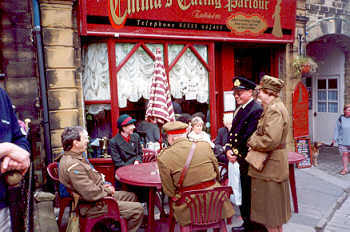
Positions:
{"x": 230, "y": 140}
{"x": 236, "y": 140}
{"x": 236, "y": 134}
{"x": 230, "y": 134}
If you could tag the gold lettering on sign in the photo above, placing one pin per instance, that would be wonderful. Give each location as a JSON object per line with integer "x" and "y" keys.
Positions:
{"x": 248, "y": 4}
{"x": 118, "y": 21}
{"x": 134, "y": 5}
{"x": 185, "y": 4}
{"x": 240, "y": 23}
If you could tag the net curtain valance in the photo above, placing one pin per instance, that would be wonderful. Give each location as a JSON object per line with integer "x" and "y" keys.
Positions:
{"x": 188, "y": 78}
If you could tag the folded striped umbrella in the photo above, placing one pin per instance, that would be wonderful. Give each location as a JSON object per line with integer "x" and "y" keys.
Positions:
{"x": 160, "y": 106}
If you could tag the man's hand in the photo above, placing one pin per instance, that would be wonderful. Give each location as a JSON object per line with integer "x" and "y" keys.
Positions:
{"x": 110, "y": 189}
{"x": 232, "y": 158}
{"x": 14, "y": 158}
{"x": 136, "y": 162}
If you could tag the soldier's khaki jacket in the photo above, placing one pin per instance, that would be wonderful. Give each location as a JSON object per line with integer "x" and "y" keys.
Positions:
{"x": 76, "y": 174}
{"x": 203, "y": 167}
{"x": 270, "y": 136}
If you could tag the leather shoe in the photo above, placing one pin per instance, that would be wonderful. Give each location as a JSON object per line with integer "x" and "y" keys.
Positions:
{"x": 238, "y": 229}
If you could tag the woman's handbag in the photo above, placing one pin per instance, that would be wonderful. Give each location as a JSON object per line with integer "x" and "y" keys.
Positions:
{"x": 256, "y": 159}
{"x": 73, "y": 223}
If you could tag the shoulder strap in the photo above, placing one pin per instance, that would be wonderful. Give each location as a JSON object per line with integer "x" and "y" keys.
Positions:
{"x": 187, "y": 164}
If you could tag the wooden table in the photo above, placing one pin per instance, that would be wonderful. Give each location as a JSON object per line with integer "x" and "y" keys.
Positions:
{"x": 294, "y": 158}
{"x": 146, "y": 175}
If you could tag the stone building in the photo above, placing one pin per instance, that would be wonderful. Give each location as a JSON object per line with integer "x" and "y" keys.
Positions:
{"x": 327, "y": 42}
{"x": 54, "y": 95}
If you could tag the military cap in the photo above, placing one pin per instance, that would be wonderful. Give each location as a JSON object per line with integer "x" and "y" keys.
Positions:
{"x": 175, "y": 127}
{"x": 125, "y": 120}
{"x": 272, "y": 83}
{"x": 242, "y": 83}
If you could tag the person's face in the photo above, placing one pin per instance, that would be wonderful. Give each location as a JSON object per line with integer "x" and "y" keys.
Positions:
{"x": 198, "y": 128}
{"x": 129, "y": 129}
{"x": 347, "y": 112}
{"x": 81, "y": 145}
{"x": 265, "y": 98}
{"x": 242, "y": 96}
{"x": 228, "y": 124}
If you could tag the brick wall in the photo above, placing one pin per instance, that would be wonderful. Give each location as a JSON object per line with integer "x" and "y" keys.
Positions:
{"x": 17, "y": 55}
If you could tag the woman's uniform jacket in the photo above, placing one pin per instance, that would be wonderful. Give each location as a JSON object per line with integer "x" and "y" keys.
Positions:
{"x": 203, "y": 167}
{"x": 270, "y": 136}
{"x": 124, "y": 153}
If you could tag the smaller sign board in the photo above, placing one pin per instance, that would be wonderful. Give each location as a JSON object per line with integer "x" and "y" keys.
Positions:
{"x": 303, "y": 146}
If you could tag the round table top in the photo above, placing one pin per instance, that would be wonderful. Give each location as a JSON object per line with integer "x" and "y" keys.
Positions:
{"x": 294, "y": 157}
{"x": 143, "y": 174}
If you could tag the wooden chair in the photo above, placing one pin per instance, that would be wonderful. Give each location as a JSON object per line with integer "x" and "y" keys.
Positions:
{"x": 87, "y": 223}
{"x": 149, "y": 155}
{"x": 205, "y": 207}
{"x": 63, "y": 202}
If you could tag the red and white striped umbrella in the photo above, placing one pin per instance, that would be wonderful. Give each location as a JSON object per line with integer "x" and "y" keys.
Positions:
{"x": 160, "y": 106}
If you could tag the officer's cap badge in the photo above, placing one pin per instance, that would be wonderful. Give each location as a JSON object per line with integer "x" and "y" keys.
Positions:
{"x": 237, "y": 83}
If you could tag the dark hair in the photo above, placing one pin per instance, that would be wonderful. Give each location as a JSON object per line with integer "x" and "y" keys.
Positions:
{"x": 70, "y": 134}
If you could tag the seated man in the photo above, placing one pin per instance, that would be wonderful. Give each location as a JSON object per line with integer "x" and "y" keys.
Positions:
{"x": 202, "y": 172}
{"x": 77, "y": 175}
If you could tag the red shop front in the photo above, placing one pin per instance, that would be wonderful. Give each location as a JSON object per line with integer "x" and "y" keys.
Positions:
{"x": 204, "y": 43}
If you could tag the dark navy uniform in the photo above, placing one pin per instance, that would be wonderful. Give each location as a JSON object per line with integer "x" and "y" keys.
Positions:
{"x": 11, "y": 132}
{"x": 243, "y": 126}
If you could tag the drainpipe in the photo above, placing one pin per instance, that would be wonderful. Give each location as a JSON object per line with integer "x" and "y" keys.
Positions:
{"x": 43, "y": 89}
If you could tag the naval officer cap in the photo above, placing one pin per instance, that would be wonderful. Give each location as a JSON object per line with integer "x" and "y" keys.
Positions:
{"x": 242, "y": 83}
{"x": 174, "y": 128}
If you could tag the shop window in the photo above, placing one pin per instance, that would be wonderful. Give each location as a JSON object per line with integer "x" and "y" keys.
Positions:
{"x": 135, "y": 76}
{"x": 96, "y": 72}
{"x": 187, "y": 66}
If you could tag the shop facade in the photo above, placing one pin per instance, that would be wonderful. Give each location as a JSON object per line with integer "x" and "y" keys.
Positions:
{"x": 99, "y": 55}
{"x": 203, "y": 44}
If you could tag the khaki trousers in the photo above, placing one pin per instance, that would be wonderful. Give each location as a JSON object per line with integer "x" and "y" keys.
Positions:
{"x": 130, "y": 209}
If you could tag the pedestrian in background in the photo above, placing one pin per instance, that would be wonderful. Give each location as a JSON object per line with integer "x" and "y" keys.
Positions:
{"x": 14, "y": 153}
{"x": 270, "y": 188}
{"x": 342, "y": 137}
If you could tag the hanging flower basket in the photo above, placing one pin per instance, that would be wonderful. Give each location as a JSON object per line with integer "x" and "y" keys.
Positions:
{"x": 304, "y": 65}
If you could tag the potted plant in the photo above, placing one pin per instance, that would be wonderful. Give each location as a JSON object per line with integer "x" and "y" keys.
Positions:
{"x": 304, "y": 65}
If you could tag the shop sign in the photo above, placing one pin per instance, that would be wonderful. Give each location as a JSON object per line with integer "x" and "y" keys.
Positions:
{"x": 256, "y": 20}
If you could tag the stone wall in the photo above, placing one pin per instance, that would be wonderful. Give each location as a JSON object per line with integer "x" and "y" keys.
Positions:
{"x": 17, "y": 56}
{"x": 62, "y": 57}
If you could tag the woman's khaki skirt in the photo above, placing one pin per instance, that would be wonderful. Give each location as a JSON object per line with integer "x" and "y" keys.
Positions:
{"x": 270, "y": 202}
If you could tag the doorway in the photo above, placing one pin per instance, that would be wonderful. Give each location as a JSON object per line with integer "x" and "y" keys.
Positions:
{"x": 327, "y": 89}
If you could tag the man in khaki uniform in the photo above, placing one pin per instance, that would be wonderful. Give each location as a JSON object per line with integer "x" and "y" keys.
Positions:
{"x": 77, "y": 175}
{"x": 202, "y": 172}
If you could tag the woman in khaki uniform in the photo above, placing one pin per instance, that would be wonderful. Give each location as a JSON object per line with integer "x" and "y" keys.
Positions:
{"x": 270, "y": 190}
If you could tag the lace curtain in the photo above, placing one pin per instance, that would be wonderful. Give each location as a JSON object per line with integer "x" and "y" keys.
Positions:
{"x": 134, "y": 78}
{"x": 188, "y": 78}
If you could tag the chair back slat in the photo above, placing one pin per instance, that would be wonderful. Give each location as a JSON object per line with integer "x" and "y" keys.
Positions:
{"x": 148, "y": 155}
{"x": 206, "y": 206}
